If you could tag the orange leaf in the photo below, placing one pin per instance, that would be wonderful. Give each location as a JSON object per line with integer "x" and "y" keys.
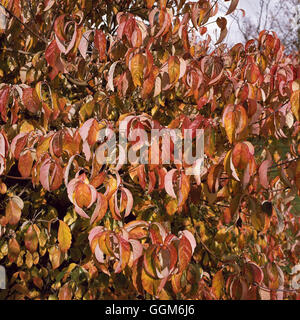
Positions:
{"x": 229, "y": 122}
{"x": 13, "y": 250}
{"x": 13, "y": 210}
{"x": 184, "y": 253}
{"x": 25, "y": 163}
{"x": 240, "y": 156}
{"x": 136, "y": 69}
{"x": 173, "y": 69}
{"x": 83, "y": 195}
{"x": 295, "y": 104}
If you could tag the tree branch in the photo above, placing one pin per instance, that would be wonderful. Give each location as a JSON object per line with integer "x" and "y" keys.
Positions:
{"x": 25, "y": 26}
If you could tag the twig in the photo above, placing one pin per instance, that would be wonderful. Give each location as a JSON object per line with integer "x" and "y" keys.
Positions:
{"x": 17, "y": 51}
{"x": 17, "y": 178}
{"x": 277, "y": 290}
{"x": 272, "y": 113}
{"x": 25, "y": 26}
{"x": 285, "y": 162}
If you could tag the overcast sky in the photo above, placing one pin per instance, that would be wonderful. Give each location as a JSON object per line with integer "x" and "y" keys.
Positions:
{"x": 251, "y": 8}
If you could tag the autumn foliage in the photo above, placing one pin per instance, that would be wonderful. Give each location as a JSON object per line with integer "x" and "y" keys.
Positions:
{"x": 71, "y": 228}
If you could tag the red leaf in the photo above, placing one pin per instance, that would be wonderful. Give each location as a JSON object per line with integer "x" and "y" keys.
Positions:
{"x": 240, "y": 156}
{"x": 31, "y": 239}
{"x": 25, "y": 163}
{"x": 4, "y": 97}
{"x": 100, "y": 44}
{"x": 52, "y": 55}
{"x": 184, "y": 253}
{"x": 263, "y": 173}
{"x": 31, "y": 100}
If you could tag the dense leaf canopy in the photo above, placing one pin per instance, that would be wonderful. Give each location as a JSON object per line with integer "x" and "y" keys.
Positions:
{"x": 72, "y": 228}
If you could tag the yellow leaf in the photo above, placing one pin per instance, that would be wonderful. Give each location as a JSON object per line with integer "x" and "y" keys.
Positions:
{"x": 64, "y": 236}
{"x": 295, "y": 103}
{"x": 172, "y": 207}
{"x": 55, "y": 257}
{"x": 218, "y": 284}
{"x": 29, "y": 260}
{"x": 136, "y": 68}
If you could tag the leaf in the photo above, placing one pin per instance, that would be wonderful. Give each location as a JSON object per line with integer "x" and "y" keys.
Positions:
{"x": 100, "y": 209}
{"x": 295, "y": 104}
{"x": 65, "y": 292}
{"x": 48, "y": 4}
{"x": 232, "y": 7}
{"x": 28, "y": 260}
{"x": 125, "y": 252}
{"x": 240, "y": 156}
{"x": 222, "y": 23}
{"x": 13, "y": 250}
{"x": 184, "y": 253}
{"x": 295, "y": 206}
{"x": 213, "y": 178}
{"x": 110, "y": 80}
{"x": 184, "y": 189}
{"x": 129, "y": 203}
{"x": 55, "y": 257}
{"x": 148, "y": 86}
{"x": 173, "y": 69}
{"x": 157, "y": 233}
{"x": 171, "y": 207}
{"x": 31, "y": 239}
{"x": 253, "y": 273}
{"x": 149, "y": 284}
{"x": 241, "y": 118}
{"x": 297, "y": 175}
{"x": 149, "y": 262}
{"x": 13, "y": 210}
{"x": 100, "y": 44}
{"x": 238, "y": 289}
{"x": 229, "y": 122}
{"x": 191, "y": 239}
{"x": 83, "y": 195}
{"x": 150, "y": 3}
{"x": 64, "y": 236}
{"x": 25, "y": 163}
{"x": 51, "y": 175}
{"x": 253, "y": 73}
{"x": 169, "y": 183}
{"x": 83, "y": 44}
{"x": 52, "y": 55}
{"x": 31, "y": 100}
{"x": 136, "y": 69}
{"x": 218, "y": 284}
{"x": 4, "y": 98}
{"x": 263, "y": 173}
